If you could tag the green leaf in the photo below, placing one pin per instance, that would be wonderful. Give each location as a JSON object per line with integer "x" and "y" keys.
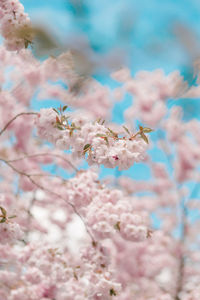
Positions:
{"x": 147, "y": 130}
{"x": 12, "y": 217}
{"x": 117, "y": 226}
{"x": 56, "y": 111}
{"x": 75, "y": 276}
{"x": 65, "y": 107}
{"x": 59, "y": 127}
{"x": 86, "y": 147}
{"x": 3, "y": 211}
{"x": 126, "y": 129}
{"x": 112, "y": 292}
{"x": 144, "y": 137}
{"x": 3, "y": 220}
{"x": 113, "y": 133}
{"x": 101, "y": 135}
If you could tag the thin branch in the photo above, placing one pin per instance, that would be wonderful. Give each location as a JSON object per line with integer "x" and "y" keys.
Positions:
{"x": 183, "y": 219}
{"x": 51, "y": 192}
{"x": 184, "y": 212}
{"x": 34, "y": 155}
{"x": 45, "y": 154}
{"x": 14, "y": 118}
{"x": 183, "y": 224}
{"x": 30, "y": 215}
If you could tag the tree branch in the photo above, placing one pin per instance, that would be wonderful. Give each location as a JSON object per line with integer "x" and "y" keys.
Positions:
{"x": 44, "y": 154}
{"x": 14, "y": 118}
{"x": 29, "y": 176}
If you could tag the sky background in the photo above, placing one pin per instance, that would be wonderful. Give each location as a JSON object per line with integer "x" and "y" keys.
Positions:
{"x": 148, "y": 32}
{"x": 145, "y": 35}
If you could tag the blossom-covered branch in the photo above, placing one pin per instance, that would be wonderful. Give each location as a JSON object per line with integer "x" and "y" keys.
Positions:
{"x": 102, "y": 145}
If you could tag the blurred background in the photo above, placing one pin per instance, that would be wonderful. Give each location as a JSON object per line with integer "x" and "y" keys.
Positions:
{"x": 143, "y": 35}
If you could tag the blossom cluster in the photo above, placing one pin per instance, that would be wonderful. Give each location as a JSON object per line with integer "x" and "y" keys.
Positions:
{"x": 14, "y": 25}
{"x": 46, "y": 272}
{"x": 118, "y": 256}
{"x": 106, "y": 211}
{"x": 156, "y": 273}
{"x": 191, "y": 289}
{"x": 103, "y": 145}
{"x": 10, "y": 232}
{"x": 150, "y": 91}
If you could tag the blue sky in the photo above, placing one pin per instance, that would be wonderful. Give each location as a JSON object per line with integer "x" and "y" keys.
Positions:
{"x": 148, "y": 33}
{"x": 145, "y": 30}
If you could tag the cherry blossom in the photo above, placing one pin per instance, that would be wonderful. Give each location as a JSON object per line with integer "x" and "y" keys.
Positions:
{"x": 66, "y": 233}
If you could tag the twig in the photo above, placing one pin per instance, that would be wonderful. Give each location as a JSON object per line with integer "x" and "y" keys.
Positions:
{"x": 44, "y": 154}
{"x": 51, "y": 192}
{"x": 182, "y": 240}
{"x": 183, "y": 220}
{"x": 14, "y": 118}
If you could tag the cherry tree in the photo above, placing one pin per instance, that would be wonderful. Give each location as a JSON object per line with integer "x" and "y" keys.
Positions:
{"x": 120, "y": 251}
